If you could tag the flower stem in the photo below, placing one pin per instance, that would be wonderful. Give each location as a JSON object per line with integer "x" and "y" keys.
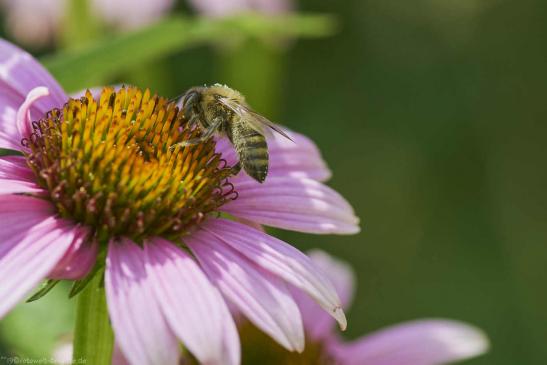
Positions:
{"x": 80, "y": 26}
{"x": 93, "y": 337}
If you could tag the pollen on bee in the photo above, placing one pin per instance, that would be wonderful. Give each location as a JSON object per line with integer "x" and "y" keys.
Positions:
{"x": 107, "y": 162}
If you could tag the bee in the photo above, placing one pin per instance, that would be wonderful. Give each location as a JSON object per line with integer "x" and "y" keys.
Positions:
{"x": 221, "y": 110}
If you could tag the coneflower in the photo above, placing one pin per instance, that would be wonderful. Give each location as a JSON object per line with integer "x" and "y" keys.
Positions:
{"x": 98, "y": 191}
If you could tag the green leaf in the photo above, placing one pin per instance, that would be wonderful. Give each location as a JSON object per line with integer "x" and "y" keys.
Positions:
{"x": 46, "y": 287}
{"x": 80, "y": 285}
{"x": 105, "y": 58}
{"x": 9, "y": 152}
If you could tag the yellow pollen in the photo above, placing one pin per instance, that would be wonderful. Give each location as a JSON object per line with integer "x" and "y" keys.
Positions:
{"x": 109, "y": 164}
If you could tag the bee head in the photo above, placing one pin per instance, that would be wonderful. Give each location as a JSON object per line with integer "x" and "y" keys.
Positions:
{"x": 190, "y": 103}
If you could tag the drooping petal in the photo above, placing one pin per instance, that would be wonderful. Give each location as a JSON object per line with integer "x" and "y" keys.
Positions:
{"x": 261, "y": 296}
{"x": 15, "y": 167}
{"x": 425, "y": 342}
{"x": 297, "y": 158}
{"x": 231, "y": 345}
{"x": 340, "y": 274}
{"x": 24, "y": 119}
{"x": 79, "y": 259}
{"x": 19, "y": 74}
{"x": 18, "y": 214}
{"x": 31, "y": 243}
{"x": 317, "y": 323}
{"x": 251, "y": 224}
{"x": 298, "y": 204}
{"x": 9, "y": 135}
{"x": 280, "y": 259}
{"x": 16, "y": 177}
{"x": 9, "y": 186}
{"x": 191, "y": 304}
{"x": 9, "y": 141}
{"x": 139, "y": 325}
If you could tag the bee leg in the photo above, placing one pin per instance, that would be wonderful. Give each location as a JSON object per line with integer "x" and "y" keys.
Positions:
{"x": 190, "y": 142}
{"x": 208, "y": 133}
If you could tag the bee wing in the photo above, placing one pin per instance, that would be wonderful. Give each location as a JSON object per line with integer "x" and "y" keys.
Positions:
{"x": 258, "y": 119}
{"x": 255, "y": 120}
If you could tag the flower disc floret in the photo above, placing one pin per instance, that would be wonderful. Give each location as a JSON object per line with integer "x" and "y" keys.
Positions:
{"x": 114, "y": 164}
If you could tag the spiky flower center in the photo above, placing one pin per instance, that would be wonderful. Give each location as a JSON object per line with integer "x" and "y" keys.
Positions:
{"x": 110, "y": 164}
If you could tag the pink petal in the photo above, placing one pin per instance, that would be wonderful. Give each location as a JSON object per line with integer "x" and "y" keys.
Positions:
{"x": 24, "y": 119}
{"x": 219, "y": 8}
{"x": 317, "y": 323}
{"x": 79, "y": 259}
{"x": 280, "y": 259}
{"x": 19, "y": 74}
{"x": 117, "y": 356}
{"x": 251, "y": 224}
{"x": 16, "y": 177}
{"x": 9, "y": 135}
{"x": 298, "y": 204}
{"x": 262, "y": 297}
{"x": 19, "y": 213}
{"x": 340, "y": 274}
{"x": 300, "y": 158}
{"x": 426, "y": 342}
{"x": 15, "y": 167}
{"x": 193, "y": 307}
{"x": 9, "y": 141}
{"x": 231, "y": 345}
{"x": 14, "y": 186}
{"x": 215, "y": 8}
{"x": 29, "y": 251}
{"x": 139, "y": 326}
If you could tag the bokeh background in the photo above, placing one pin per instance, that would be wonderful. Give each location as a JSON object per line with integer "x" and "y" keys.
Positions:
{"x": 431, "y": 114}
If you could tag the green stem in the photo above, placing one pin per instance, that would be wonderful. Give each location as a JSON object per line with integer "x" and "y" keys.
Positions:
{"x": 80, "y": 27}
{"x": 93, "y": 337}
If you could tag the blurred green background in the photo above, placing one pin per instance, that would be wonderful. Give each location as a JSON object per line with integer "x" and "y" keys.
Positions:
{"x": 431, "y": 116}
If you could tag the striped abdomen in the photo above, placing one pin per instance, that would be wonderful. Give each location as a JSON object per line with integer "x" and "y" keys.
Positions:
{"x": 252, "y": 150}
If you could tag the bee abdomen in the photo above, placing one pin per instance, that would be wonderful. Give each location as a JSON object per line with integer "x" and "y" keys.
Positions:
{"x": 253, "y": 155}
